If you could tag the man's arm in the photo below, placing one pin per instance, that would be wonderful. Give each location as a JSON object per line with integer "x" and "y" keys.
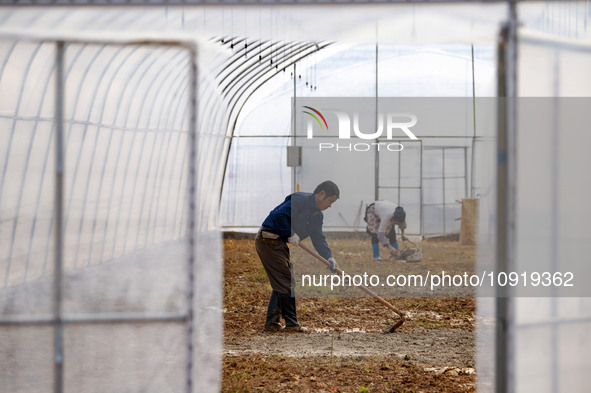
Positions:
{"x": 402, "y": 229}
{"x": 318, "y": 239}
{"x": 284, "y": 225}
{"x": 281, "y": 219}
{"x": 383, "y": 228}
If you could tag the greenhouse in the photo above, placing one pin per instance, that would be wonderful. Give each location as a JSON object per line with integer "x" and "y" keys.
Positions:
{"x": 143, "y": 144}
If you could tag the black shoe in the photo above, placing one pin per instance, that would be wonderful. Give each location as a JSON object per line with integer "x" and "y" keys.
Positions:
{"x": 287, "y": 304}
{"x": 273, "y": 327}
{"x": 299, "y": 329}
{"x": 273, "y": 314}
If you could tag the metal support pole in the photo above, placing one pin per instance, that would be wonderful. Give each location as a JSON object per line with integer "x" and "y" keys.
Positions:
{"x": 59, "y": 212}
{"x": 294, "y": 186}
{"x": 554, "y": 222}
{"x": 466, "y": 195}
{"x": 506, "y": 194}
{"x": 377, "y": 153}
{"x": 473, "y": 159}
{"x": 399, "y": 175}
{"x": 422, "y": 213}
{"x": 192, "y": 216}
{"x": 443, "y": 184}
{"x": 501, "y": 305}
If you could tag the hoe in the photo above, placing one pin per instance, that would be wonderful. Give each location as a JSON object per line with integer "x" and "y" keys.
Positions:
{"x": 387, "y": 329}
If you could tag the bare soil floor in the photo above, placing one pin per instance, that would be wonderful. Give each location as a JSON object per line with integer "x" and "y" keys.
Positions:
{"x": 345, "y": 351}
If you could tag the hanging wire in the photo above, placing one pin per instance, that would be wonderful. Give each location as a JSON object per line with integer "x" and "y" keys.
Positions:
{"x": 303, "y": 62}
{"x": 307, "y": 69}
{"x": 285, "y": 59}
{"x": 316, "y": 72}
{"x": 272, "y": 38}
{"x": 232, "y": 28}
{"x": 282, "y": 40}
{"x": 312, "y": 62}
{"x": 245, "y": 35}
{"x": 310, "y": 77}
{"x": 292, "y": 38}
{"x": 315, "y": 63}
{"x": 291, "y": 54}
{"x": 277, "y": 41}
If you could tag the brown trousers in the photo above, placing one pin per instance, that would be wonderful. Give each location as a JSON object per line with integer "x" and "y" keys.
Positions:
{"x": 274, "y": 255}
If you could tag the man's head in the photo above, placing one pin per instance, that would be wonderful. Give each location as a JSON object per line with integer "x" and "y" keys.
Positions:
{"x": 326, "y": 193}
{"x": 399, "y": 216}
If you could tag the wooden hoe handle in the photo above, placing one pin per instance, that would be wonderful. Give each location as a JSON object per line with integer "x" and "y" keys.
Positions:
{"x": 363, "y": 288}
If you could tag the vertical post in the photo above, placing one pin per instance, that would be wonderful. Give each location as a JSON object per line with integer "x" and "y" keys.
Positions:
{"x": 421, "y": 198}
{"x": 554, "y": 222}
{"x": 294, "y": 186}
{"x": 501, "y": 304}
{"x": 506, "y": 193}
{"x": 399, "y": 175}
{"x": 443, "y": 184}
{"x": 192, "y": 213}
{"x": 472, "y": 161}
{"x": 59, "y": 210}
{"x": 377, "y": 153}
{"x": 466, "y": 195}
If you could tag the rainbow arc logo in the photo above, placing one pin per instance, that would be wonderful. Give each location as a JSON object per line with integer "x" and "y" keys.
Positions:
{"x": 315, "y": 117}
{"x": 348, "y": 123}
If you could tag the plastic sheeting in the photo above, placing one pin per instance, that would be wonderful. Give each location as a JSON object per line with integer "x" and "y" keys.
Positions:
{"x": 350, "y": 71}
{"x": 546, "y": 337}
{"x": 549, "y": 338}
{"x": 126, "y": 245}
{"x": 141, "y": 282}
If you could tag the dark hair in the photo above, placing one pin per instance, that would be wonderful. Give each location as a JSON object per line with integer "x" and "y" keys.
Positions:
{"x": 399, "y": 214}
{"x": 329, "y": 188}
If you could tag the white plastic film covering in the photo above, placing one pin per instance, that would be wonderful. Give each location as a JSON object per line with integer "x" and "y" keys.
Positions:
{"x": 418, "y": 55}
{"x": 550, "y": 343}
{"x": 344, "y": 70}
{"x": 137, "y": 281}
{"x": 547, "y": 350}
{"x": 357, "y": 23}
{"x": 126, "y": 189}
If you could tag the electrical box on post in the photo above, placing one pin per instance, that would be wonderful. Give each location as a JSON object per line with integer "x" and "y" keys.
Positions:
{"x": 294, "y": 156}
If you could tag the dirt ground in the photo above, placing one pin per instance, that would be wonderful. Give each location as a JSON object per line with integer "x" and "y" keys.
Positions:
{"x": 345, "y": 350}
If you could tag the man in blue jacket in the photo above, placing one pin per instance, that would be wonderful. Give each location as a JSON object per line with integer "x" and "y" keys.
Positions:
{"x": 297, "y": 217}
